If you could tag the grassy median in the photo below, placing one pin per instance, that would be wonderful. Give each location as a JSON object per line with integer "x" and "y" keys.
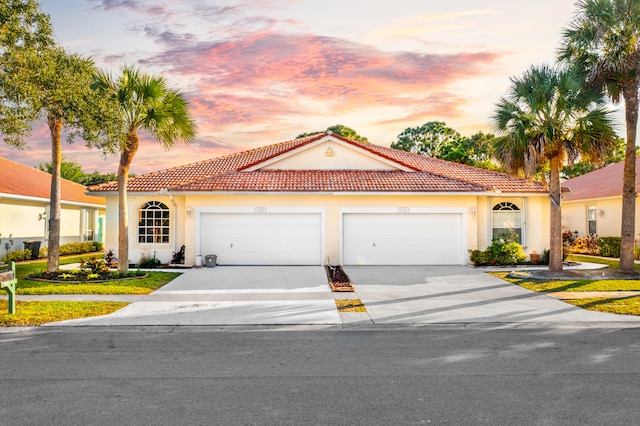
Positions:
{"x": 617, "y": 305}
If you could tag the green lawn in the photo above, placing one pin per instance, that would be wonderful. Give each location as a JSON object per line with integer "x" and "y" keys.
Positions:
{"x": 623, "y": 305}
{"x": 153, "y": 281}
{"x": 571, "y": 285}
{"x": 37, "y": 313}
{"x": 32, "y": 313}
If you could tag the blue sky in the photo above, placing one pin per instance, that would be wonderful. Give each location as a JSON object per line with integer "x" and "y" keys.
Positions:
{"x": 263, "y": 71}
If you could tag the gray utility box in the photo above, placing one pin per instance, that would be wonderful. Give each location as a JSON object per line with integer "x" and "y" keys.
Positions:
{"x": 210, "y": 260}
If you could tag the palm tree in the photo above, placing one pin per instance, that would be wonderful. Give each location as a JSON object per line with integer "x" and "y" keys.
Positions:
{"x": 549, "y": 116}
{"x": 146, "y": 103}
{"x": 603, "y": 42}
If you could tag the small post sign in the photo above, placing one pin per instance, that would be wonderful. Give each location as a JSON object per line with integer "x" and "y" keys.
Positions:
{"x": 8, "y": 281}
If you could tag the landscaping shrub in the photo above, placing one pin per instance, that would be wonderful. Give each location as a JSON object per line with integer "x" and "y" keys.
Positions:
{"x": 609, "y": 246}
{"x": 544, "y": 257}
{"x": 17, "y": 255}
{"x": 110, "y": 259}
{"x": 93, "y": 264}
{"x": 148, "y": 262}
{"x": 586, "y": 245}
{"x": 80, "y": 248}
{"x": 504, "y": 250}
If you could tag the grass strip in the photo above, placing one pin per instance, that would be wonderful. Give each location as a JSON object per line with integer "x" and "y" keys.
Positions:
{"x": 350, "y": 305}
{"x": 622, "y": 306}
{"x": 571, "y": 285}
{"x": 38, "y": 313}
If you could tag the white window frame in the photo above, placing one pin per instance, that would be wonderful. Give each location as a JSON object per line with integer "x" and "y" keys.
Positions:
{"x": 513, "y": 207}
{"x": 157, "y": 219}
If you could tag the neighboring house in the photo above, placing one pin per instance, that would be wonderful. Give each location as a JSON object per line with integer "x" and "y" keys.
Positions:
{"x": 325, "y": 198}
{"x": 594, "y": 203}
{"x": 24, "y": 208}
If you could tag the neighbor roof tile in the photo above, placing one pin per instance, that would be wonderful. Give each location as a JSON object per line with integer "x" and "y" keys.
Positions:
{"x": 18, "y": 179}
{"x": 604, "y": 182}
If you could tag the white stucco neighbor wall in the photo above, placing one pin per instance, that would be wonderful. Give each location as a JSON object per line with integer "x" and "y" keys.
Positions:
{"x": 608, "y": 216}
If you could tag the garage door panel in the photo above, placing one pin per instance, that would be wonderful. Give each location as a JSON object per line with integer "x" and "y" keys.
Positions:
{"x": 262, "y": 239}
{"x": 402, "y": 239}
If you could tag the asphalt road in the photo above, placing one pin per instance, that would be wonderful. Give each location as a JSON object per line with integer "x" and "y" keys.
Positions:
{"x": 403, "y": 376}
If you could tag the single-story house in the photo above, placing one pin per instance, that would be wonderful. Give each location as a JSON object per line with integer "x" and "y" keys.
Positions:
{"x": 24, "y": 208}
{"x": 593, "y": 204}
{"x": 326, "y": 199}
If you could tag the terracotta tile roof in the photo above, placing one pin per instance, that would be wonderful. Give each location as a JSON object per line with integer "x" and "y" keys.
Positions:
{"x": 226, "y": 174}
{"x": 21, "y": 180}
{"x": 604, "y": 182}
{"x": 330, "y": 180}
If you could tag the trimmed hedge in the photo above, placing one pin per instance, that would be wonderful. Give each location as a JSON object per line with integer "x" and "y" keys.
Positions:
{"x": 65, "y": 250}
{"x": 609, "y": 246}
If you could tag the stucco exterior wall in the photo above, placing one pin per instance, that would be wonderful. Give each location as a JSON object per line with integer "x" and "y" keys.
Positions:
{"x": 22, "y": 220}
{"x": 185, "y": 211}
{"x": 608, "y": 216}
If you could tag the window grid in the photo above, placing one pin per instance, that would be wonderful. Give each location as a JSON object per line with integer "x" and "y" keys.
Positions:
{"x": 507, "y": 219}
{"x": 153, "y": 223}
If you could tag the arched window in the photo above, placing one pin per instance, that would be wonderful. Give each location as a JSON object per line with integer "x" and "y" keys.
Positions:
{"x": 507, "y": 219}
{"x": 153, "y": 223}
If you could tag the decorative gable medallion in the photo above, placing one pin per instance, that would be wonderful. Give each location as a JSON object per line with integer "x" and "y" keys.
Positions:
{"x": 329, "y": 153}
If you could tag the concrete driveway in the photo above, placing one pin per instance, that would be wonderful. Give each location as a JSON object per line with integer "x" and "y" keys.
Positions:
{"x": 232, "y": 295}
{"x": 460, "y": 294}
{"x": 300, "y": 295}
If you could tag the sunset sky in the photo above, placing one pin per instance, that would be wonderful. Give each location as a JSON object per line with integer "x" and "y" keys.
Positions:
{"x": 257, "y": 72}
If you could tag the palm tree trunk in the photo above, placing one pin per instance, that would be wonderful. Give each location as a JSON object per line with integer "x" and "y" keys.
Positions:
{"x": 53, "y": 249}
{"x": 126, "y": 158}
{"x": 627, "y": 243}
{"x": 555, "y": 223}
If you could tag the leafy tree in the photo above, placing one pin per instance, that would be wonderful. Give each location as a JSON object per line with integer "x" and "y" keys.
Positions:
{"x": 475, "y": 150}
{"x": 96, "y": 178}
{"x": 69, "y": 170}
{"x": 40, "y": 81}
{"x": 433, "y": 138}
{"x": 548, "y": 116}
{"x": 72, "y": 171}
{"x": 603, "y": 42}
{"x": 340, "y": 130}
{"x": 145, "y": 103}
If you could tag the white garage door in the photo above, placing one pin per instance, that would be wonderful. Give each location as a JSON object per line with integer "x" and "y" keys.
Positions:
{"x": 262, "y": 239}
{"x": 402, "y": 239}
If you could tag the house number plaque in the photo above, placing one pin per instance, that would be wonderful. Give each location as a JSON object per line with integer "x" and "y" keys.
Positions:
{"x": 260, "y": 210}
{"x": 403, "y": 209}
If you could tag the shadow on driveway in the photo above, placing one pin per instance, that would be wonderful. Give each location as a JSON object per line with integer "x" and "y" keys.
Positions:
{"x": 459, "y": 294}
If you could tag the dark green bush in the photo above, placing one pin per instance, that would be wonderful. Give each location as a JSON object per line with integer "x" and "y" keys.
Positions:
{"x": 148, "y": 262}
{"x": 504, "y": 250}
{"x": 609, "y": 246}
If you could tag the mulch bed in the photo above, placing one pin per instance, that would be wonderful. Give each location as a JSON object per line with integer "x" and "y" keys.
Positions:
{"x": 83, "y": 277}
{"x": 338, "y": 279}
